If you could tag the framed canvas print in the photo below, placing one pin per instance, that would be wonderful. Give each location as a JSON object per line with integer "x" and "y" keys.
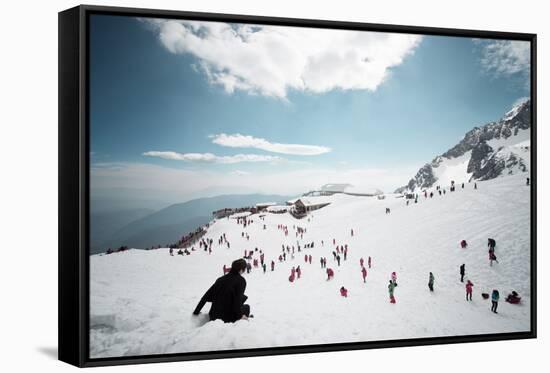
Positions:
{"x": 234, "y": 186}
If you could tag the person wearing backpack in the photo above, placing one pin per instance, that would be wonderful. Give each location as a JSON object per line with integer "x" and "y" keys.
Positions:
{"x": 494, "y": 300}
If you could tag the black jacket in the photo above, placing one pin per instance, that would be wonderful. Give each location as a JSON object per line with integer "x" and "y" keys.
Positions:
{"x": 227, "y": 297}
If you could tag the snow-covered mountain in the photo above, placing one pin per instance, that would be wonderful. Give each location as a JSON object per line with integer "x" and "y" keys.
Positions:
{"x": 495, "y": 149}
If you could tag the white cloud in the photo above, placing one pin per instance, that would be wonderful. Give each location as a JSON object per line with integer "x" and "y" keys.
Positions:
{"x": 211, "y": 158}
{"x": 243, "y": 141}
{"x": 505, "y": 57}
{"x": 271, "y": 60}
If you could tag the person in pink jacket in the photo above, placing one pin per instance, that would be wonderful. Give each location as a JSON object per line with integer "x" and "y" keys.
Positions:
{"x": 364, "y": 273}
{"x": 469, "y": 289}
{"x": 344, "y": 292}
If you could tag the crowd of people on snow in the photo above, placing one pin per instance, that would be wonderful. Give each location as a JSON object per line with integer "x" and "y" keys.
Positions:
{"x": 230, "y": 285}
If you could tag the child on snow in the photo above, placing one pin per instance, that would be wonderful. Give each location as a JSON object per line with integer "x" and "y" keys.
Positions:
{"x": 344, "y": 292}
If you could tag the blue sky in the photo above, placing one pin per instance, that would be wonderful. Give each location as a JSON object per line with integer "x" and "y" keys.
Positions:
{"x": 177, "y": 102}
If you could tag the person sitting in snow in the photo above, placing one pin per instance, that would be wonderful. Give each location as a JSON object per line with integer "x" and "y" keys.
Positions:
{"x": 463, "y": 244}
{"x": 227, "y": 296}
{"x": 344, "y": 292}
{"x": 513, "y": 298}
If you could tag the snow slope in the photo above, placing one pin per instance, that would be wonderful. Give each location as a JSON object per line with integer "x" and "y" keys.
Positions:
{"x": 141, "y": 301}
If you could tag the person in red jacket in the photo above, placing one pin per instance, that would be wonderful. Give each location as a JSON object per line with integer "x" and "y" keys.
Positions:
{"x": 330, "y": 273}
{"x": 469, "y": 289}
{"x": 344, "y": 292}
{"x": 305, "y": 258}
{"x": 364, "y": 273}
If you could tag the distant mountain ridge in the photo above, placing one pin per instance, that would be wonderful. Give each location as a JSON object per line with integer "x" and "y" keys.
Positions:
{"x": 171, "y": 223}
{"x": 487, "y": 152}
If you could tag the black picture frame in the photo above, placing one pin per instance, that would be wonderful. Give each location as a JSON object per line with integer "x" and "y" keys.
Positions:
{"x": 74, "y": 165}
